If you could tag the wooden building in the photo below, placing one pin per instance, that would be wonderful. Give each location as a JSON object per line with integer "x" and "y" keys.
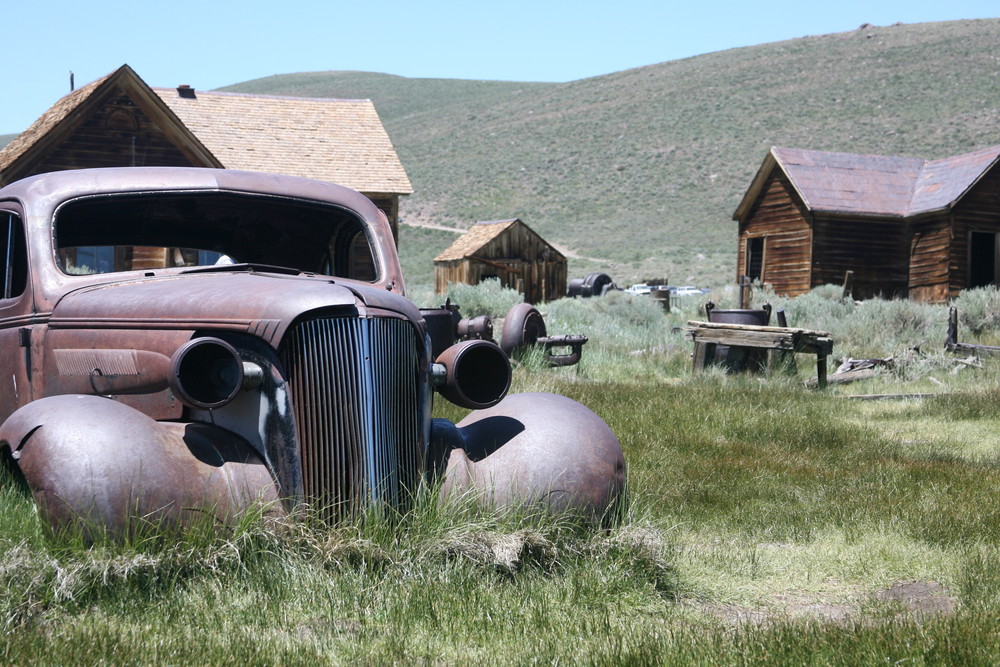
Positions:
{"x": 903, "y": 226}
{"x": 507, "y": 250}
{"x": 119, "y": 121}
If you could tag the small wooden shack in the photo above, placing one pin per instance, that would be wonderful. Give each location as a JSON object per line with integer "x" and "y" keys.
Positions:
{"x": 119, "y": 121}
{"x": 903, "y": 226}
{"x": 507, "y": 250}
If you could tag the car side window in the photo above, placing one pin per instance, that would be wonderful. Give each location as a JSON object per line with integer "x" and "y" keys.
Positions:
{"x": 13, "y": 256}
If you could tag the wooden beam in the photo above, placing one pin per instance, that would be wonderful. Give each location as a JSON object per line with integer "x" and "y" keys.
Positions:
{"x": 768, "y": 339}
{"x": 754, "y": 327}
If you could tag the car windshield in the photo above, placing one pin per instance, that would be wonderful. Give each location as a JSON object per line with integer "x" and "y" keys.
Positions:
{"x": 161, "y": 230}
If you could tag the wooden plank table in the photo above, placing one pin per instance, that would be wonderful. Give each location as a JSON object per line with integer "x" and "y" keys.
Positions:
{"x": 707, "y": 335}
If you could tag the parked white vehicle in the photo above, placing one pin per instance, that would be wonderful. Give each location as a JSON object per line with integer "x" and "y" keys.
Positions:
{"x": 687, "y": 290}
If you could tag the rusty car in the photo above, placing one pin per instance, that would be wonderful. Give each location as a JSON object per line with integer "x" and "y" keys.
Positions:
{"x": 182, "y": 341}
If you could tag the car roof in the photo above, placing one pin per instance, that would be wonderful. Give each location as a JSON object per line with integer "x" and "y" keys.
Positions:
{"x": 59, "y": 186}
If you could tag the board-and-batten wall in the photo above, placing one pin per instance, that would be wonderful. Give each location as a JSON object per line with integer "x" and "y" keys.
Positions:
{"x": 518, "y": 258}
{"x": 783, "y": 223}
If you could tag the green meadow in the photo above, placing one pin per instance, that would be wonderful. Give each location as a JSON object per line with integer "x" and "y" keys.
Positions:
{"x": 767, "y": 522}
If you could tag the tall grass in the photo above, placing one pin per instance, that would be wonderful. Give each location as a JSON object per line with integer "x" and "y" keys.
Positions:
{"x": 767, "y": 523}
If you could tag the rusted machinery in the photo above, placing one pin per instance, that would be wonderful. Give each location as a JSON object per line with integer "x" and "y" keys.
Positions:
{"x": 523, "y": 329}
{"x": 593, "y": 284}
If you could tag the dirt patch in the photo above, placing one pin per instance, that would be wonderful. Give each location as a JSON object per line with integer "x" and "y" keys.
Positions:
{"x": 732, "y": 614}
{"x": 920, "y": 597}
{"x": 914, "y": 598}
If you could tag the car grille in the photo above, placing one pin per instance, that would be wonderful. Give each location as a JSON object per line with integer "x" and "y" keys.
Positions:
{"x": 355, "y": 388}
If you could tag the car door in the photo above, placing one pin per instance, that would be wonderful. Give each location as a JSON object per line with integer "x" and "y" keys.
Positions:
{"x": 16, "y": 311}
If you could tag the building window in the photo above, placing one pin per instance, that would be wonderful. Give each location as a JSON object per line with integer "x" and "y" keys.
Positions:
{"x": 755, "y": 258}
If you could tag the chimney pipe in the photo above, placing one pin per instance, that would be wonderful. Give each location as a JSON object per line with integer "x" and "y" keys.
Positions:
{"x": 186, "y": 91}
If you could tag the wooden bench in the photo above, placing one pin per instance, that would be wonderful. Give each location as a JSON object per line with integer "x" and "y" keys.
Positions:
{"x": 707, "y": 335}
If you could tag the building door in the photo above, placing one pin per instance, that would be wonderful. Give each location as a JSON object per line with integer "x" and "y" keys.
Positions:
{"x": 982, "y": 259}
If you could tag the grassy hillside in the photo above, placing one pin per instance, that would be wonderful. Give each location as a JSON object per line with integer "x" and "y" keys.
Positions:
{"x": 643, "y": 168}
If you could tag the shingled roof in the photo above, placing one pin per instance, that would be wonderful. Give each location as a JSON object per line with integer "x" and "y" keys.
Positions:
{"x": 875, "y": 185}
{"x": 337, "y": 140}
{"x": 342, "y": 141}
{"x": 474, "y": 240}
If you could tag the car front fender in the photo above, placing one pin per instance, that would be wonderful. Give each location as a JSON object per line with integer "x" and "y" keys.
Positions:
{"x": 534, "y": 449}
{"x": 93, "y": 460}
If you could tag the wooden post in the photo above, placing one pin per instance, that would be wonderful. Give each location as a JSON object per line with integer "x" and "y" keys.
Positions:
{"x": 848, "y": 285}
{"x": 784, "y": 359}
{"x": 698, "y": 359}
{"x": 952, "y": 339}
{"x": 704, "y": 356}
{"x": 821, "y": 370}
{"x": 744, "y": 292}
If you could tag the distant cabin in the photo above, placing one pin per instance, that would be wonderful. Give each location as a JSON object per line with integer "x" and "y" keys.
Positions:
{"x": 905, "y": 227}
{"x": 509, "y": 251}
{"x": 119, "y": 121}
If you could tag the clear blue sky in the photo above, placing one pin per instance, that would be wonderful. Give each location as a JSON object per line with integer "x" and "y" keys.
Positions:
{"x": 211, "y": 44}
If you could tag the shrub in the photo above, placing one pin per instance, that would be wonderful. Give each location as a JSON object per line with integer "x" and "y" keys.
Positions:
{"x": 979, "y": 309}
{"x": 486, "y": 298}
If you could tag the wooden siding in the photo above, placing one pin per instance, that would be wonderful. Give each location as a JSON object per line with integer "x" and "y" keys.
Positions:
{"x": 978, "y": 211}
{"x": 781, "y": 220}
{"x": 118, "y": 134}
{"x": 875, "y": 250}
{"x": 930, "y": 248}
{"x": 518, "y": 257}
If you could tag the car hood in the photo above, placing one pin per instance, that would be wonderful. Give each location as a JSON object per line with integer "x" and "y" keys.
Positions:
{"x": 259, "y": 302}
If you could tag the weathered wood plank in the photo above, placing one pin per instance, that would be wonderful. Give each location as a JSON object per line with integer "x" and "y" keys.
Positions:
{"x": 754, "y": 327}
{"x": 737, "y": 338}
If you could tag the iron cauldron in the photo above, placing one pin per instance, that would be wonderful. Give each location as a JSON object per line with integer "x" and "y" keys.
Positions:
{"x": 736, "y": 358}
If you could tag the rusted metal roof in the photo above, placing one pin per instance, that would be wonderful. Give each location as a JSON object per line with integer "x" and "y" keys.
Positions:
{"x": 478, "y": 236}
{"x": 341, "y": 141}
{"x": 944, "y": 182}
{"x": 848, "y": 183}
{"x": 871, "y": 185}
